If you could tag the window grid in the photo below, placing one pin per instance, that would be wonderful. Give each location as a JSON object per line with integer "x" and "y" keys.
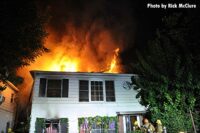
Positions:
{"x": 96, "y": 91}
{"x": 53, "y": 87}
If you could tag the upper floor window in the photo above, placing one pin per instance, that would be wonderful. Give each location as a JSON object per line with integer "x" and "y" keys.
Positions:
{"x": 96, "y": 91}
{"x": 53, "y": 87}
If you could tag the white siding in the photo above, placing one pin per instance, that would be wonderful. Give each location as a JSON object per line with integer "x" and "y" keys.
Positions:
{"x": 73, "y": 109}
{"x": 7, "y": 109}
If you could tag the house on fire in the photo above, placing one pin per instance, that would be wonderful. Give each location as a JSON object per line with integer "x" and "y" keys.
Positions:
{"x": 81, "y": 102}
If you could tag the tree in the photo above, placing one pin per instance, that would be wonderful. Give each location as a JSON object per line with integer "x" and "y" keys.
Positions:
{"x": 21, "y": 36}
{"x": 168, "y": 82}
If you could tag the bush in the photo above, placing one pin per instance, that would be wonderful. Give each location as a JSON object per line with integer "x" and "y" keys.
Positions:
{"x": 174, "y": 119}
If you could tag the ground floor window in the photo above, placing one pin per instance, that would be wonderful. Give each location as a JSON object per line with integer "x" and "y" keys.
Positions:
{"x": 98, "y": 124}
{"x": 51, "y": 125}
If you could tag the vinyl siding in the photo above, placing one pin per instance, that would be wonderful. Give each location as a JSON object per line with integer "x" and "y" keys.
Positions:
{"x": 7, "y": 109}
{"x": 43, "y": 107}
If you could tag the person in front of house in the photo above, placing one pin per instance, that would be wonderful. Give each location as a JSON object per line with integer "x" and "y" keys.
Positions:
{"x": 147, "y": 126}
{"x": 159, "y": 127}
{"x": 136, "y": 126}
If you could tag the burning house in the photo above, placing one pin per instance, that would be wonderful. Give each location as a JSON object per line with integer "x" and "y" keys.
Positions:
{"x": 79, "y": 80}
{"x": 83, "y": 102}
{"x": 78, "y": 86}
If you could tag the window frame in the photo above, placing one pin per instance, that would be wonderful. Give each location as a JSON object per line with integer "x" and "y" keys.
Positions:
{"x": 89, "y": 90}
{"x": 46, "y": 87}
{"x": 103, "y": 89}
{"x": 60, "y": 89}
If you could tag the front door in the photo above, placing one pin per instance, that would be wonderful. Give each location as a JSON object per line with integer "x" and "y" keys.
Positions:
{"x": 130, "y": 119}
{"x": 126, "y": 122}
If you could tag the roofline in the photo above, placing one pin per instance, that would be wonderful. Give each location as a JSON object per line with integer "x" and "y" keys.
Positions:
{"x": 34, "y": 72}
{"x": 11, "y": 85}
{"x": 131, "y": 112}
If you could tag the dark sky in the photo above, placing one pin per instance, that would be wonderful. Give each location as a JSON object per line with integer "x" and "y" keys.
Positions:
{"x": 128, "y": 20}
{"x": 122, "y": 16}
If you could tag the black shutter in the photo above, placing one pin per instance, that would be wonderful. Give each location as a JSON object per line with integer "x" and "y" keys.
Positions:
{"x": 83, "y": 91}
{"x": 65, "y": 85}
{"x": 63, "y": 127}
{"x": 39, "y": 125}
{"x": 42, "y": 87}
{"x": 110, "y": 91}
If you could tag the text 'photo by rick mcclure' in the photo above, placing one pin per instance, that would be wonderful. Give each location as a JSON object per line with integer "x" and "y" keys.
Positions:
{"x": 173, "y": 5}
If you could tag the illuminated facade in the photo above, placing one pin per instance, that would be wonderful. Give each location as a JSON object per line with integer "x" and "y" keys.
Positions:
{"x": 74, "y": 95}
{"x": 7, "y": 106}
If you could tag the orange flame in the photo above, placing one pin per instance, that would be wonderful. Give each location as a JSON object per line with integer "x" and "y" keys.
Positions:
{"x": 68, "y": 55}
{"x": 67, "y": 64}
{"x": 113, "y": 63}
{"x": 77, "y": 51}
